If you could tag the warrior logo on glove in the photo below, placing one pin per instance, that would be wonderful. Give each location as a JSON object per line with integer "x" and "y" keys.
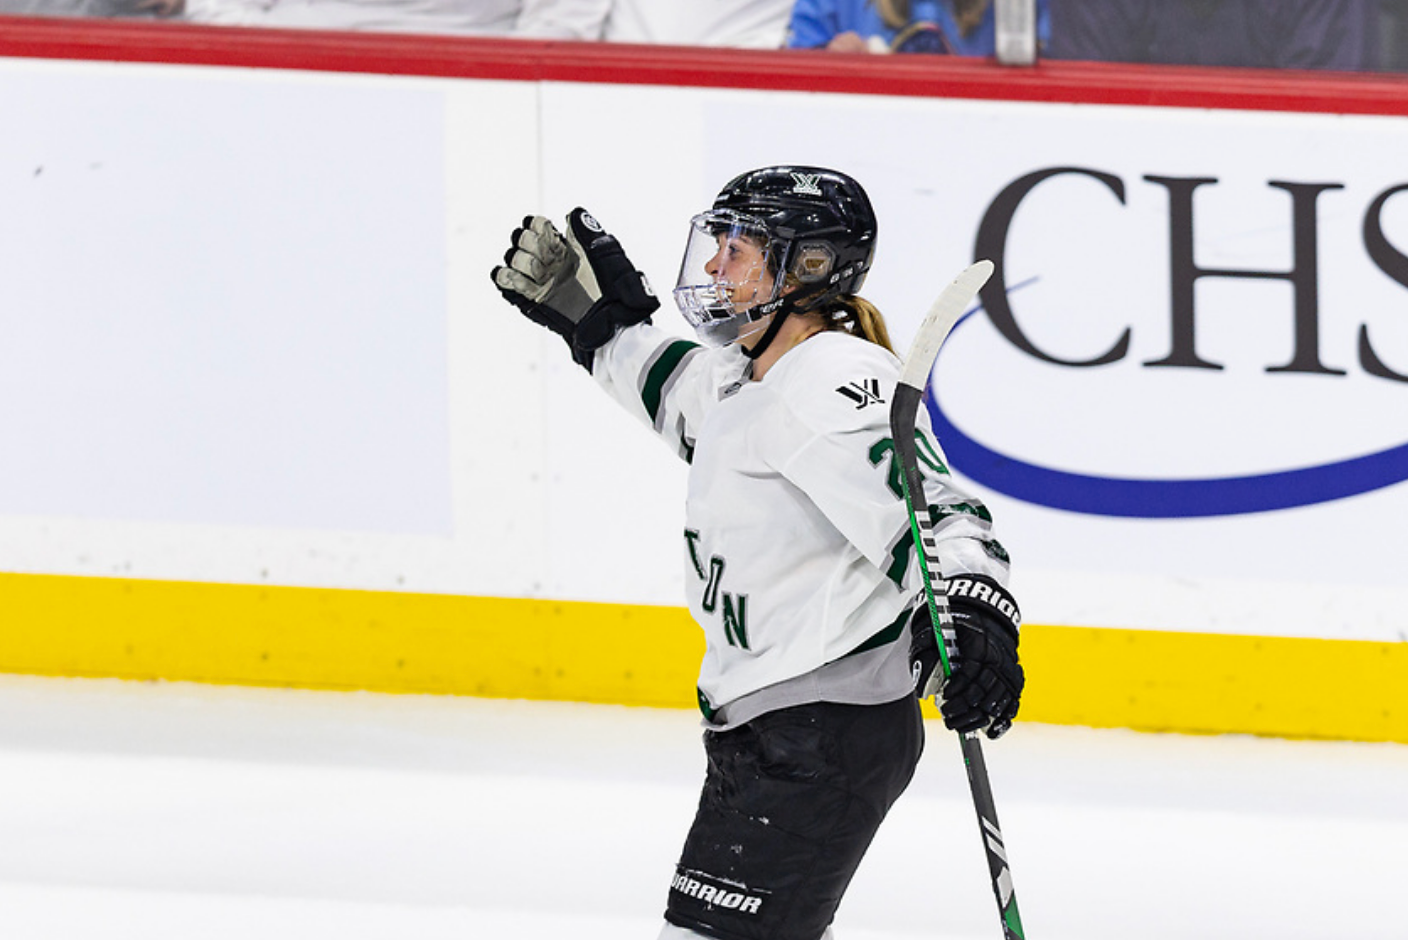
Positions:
{"x": 984, "y": 689}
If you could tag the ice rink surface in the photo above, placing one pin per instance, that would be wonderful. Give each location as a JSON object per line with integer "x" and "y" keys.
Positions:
{"x": 164, "y": 811}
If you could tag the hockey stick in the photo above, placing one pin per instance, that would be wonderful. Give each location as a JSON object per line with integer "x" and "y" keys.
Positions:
{"x": 909, "y": 394}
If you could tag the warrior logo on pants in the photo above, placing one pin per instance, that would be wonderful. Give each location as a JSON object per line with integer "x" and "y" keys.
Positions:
{"x": 716, "y": 892}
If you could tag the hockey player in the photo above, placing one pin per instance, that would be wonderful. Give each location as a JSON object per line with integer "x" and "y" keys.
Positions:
{"x": 799, "y": 562}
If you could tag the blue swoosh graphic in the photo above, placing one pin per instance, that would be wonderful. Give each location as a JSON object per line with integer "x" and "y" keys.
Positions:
{"x": 1163, "y": 499}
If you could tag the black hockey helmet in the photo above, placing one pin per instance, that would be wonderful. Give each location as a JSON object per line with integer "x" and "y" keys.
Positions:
{"x": 816, "y": 229}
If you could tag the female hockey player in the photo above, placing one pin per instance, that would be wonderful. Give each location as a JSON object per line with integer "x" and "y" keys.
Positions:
{"x": 797, "y": 549}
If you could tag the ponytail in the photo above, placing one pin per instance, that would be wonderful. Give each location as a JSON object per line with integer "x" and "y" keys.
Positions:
{"x": 859, "y": 317}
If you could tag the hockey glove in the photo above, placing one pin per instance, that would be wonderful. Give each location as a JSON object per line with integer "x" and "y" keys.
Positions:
{"x": 984, "y": 689}
{"x": 582, "y": 287}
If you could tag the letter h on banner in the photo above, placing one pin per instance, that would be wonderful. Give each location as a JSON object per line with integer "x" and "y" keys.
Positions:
{"x": 1303, "y": 275}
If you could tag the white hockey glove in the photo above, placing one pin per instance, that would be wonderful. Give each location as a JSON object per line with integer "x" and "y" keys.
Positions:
{"x": 984, "y": 689}
{"x": 582, "y": 287}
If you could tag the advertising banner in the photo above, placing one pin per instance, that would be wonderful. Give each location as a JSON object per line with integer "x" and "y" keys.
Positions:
{"x": 266, "y": 419}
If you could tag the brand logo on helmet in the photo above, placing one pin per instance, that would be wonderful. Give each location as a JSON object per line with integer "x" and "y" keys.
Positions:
{"x": 806, "y": 184}
{"x": 590, "y": 223}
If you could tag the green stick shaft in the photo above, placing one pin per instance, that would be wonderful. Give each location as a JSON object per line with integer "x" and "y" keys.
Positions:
{"x": 904, "y": 411}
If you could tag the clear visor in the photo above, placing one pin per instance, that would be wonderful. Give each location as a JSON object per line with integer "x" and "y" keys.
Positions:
{"x": 725, "y": 276}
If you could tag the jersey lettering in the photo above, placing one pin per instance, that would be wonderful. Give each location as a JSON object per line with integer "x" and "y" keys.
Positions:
{"x": 736, "y": 619}
{"x": 691, "y": 539}
{"x": 735, "y": 606}
{"x": 710, "y": 601}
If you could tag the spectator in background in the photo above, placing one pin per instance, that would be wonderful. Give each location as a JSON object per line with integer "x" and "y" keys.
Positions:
{"x": 945, "y": 27}
{"x": 759, "y": 24}
{"x": 754, "y": 24}
{"x": 542, "y": 19}
{"x": 101, "y": 8}
{"x": 1291, "y": 34}
{"x": 747, "y": 24}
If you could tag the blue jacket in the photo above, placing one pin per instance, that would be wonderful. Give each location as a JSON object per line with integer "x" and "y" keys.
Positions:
{"x": 816, "y": 22}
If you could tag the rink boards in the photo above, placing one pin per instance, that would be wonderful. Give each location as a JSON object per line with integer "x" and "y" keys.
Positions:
{"x": 647, "y": 655}
{"x": 267, "y": 421}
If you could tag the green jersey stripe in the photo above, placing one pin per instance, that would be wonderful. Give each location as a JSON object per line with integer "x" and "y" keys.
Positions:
{"x": 652, "y": 392}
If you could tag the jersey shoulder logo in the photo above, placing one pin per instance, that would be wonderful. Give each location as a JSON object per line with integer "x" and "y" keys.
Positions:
{"x": 865, "y": 392}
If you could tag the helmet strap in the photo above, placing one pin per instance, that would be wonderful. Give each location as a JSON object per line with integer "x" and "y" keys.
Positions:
{"x": 802, "y": 300}
{"x": 769, "y": 334}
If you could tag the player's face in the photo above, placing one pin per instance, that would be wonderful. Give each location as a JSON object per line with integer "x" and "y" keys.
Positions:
{"x": 740, "y": 268}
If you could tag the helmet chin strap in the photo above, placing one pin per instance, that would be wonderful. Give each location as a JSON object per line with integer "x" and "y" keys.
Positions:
{"x": 793, "y": 302}
{"x": 769, "y": 334}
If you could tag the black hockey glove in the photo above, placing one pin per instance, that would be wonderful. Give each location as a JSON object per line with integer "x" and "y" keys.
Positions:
{"x": 985, "y": 687}
{"x": 582, "y": 287}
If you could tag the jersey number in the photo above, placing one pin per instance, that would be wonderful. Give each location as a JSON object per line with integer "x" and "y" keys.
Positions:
{"x": 884, "y": 451}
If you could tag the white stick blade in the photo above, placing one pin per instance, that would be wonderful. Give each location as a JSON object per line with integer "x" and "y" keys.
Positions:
{"x": 940, "y": 320}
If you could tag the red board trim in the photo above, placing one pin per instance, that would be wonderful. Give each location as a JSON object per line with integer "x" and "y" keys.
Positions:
{"x": 785, "y": 70}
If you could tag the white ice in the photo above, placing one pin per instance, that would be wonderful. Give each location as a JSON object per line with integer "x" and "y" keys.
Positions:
{"x": 165, "y": 811}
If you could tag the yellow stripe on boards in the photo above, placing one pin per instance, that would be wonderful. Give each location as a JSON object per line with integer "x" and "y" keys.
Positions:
{"x": 338, "y": 639}
{"x": 1216, "y": 683}
{"x": 637, "y": 655}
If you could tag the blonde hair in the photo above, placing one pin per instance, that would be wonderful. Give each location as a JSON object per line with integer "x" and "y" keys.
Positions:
{"x": 966, "y": 13}
{"x": 895, "y": 13}
{"x": 846, "y": 313}
{"x": 853, "y": 314}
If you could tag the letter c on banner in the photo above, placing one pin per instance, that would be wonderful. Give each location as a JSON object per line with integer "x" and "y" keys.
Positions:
{"x": 992, "y": 244}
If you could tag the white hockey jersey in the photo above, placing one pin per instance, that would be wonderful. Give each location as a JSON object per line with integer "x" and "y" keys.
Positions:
{"x": 797, "y": 547}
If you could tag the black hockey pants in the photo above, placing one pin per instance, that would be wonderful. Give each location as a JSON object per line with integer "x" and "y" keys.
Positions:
{"x": 790, "y": 804}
